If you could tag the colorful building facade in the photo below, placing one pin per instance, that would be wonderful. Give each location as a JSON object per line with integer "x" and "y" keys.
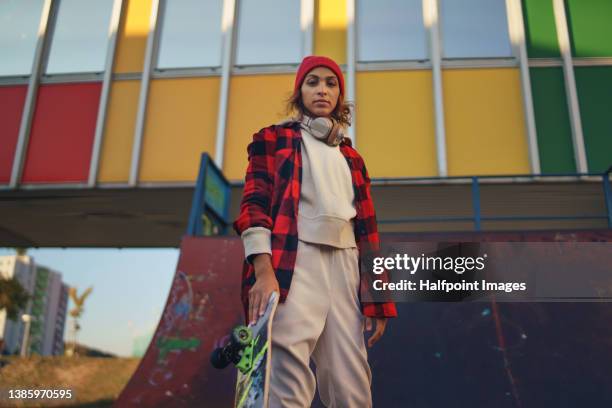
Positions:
{"x": 129, "y": 93}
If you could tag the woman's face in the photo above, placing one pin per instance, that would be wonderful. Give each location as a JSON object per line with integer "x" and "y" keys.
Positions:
{"x": 320, "y": 91}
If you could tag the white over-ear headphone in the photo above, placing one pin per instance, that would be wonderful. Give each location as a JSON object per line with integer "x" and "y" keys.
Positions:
{"x": 325, "y": 129}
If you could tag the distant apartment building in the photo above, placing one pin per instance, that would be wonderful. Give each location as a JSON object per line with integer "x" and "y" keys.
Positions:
{"x": 48, "y": 306}
{"x": 56, "y": 344}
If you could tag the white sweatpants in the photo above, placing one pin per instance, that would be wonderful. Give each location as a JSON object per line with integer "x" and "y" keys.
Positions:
{"x": 321, "y": 319}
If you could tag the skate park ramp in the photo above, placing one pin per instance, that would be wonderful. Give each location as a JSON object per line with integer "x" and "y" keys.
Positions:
{"x": 434, "y": 354}
{"x": 202, "y": 306}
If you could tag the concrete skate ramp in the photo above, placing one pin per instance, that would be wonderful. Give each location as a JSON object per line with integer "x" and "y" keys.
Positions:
{"x": 435, "y": 354}
{"x": 202, "y": 306}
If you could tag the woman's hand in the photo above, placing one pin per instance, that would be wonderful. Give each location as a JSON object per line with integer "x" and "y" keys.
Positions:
{"x": 265, "y": 284}
{"x": 381, "y": 324}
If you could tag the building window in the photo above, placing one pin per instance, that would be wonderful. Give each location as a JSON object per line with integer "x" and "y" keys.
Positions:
{"x": 190, "y": 34}
{"x": 391, "y": 30}
{"x": 19, "y": 22}
{"x": 474, "y": 29}
{"x": 80, "y": 37}
{"x": 269, "y": 32}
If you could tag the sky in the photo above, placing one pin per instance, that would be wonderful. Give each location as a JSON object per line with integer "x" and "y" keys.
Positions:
{"x": 130, "y": 287}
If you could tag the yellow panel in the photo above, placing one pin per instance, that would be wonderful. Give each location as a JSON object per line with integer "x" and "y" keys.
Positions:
{"x": 116, "y": 151}
{"x": 330, "y": 29}
{"x": 132, "y": 40}
{"x": 395, "y": 124}
{"x": 181, "y": 124}
{"x": 485, "y": 127}
{"x": 256, "y": 101}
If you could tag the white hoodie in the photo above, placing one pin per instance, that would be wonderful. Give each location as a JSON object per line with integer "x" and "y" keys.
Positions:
{"x": 326, "y": 206}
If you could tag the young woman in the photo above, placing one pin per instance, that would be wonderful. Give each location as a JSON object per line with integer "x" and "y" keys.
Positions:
{"x": 306, "y": 215}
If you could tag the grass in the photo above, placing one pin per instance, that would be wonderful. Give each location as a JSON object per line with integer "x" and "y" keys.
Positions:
{"x": 94, "y": 381}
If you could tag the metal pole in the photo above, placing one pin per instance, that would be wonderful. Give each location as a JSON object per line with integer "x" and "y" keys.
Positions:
{"x": 49, "y": 12}
{"x": 149, "y": 65}
{"x": 476, "y": 203}
{"x": 306, "y": 23}
{"x": 570, "y": 85}
{"x": 430, "y": 14}
{"x": 105, "y": 92}
{"x": 351, "y": 44}
{"x": 230, "y": 12}
{"x": 25, "y": 344}
{"x": 608, "y": 194}
{"x": 517, "y": 33}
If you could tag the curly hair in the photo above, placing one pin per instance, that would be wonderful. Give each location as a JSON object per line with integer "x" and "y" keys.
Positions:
{"x": 341, "y": 113}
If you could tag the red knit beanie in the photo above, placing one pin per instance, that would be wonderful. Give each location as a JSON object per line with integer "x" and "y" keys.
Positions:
{"x": 313, "y": 61}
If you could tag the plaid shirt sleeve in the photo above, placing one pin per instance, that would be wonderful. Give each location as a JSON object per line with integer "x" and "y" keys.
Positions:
{"x": 375, "y": 309}
{"x": 255, "y": 207}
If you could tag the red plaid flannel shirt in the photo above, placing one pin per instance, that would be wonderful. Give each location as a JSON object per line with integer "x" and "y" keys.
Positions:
{"x": 271, "y": 196}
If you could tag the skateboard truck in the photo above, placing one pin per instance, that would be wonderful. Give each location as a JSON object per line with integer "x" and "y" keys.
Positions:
{"x": 239, "y": 350}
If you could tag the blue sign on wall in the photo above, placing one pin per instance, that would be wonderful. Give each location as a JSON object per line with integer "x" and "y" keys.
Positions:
{"x": 210, "y": 205}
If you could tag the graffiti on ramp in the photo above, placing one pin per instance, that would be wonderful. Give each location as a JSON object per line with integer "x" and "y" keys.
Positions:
{"x": 203, "y": 305}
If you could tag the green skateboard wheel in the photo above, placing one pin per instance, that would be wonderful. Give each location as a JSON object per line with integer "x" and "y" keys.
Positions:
{"x": 242, "y": 336}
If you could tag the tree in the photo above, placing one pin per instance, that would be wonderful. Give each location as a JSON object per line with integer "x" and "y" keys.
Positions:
{"x": 76, "y": 312}
{"x": 13, "y": 297}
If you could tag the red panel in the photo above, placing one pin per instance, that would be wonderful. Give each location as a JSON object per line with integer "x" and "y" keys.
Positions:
{"x": 12, "y": 99}
{"x": 62, "y": 133}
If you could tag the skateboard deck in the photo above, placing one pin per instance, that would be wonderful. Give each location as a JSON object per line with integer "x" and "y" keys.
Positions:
{"x": 254, "y": 368}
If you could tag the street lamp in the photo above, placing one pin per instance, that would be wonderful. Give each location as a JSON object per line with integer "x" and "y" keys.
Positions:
{"x": 25, "y": 344}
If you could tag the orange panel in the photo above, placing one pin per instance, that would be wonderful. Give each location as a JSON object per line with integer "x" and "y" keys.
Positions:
{"x": 116, "y": 153}
{"x": 181, "y": 124}
{"x": 485, "y": 127}
{"x": 133, "y": 32}
{"x": 256, "y": 101}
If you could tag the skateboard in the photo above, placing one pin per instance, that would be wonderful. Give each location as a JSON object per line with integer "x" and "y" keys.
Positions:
{"x": 250, "y": 350}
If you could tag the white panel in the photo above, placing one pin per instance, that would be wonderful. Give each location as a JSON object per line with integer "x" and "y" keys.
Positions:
{"x": 269, "y": 32}
{"x": 191, "y": 34}
{"x": 474, "y": 29}
{"x": 19, "y": 22}
{"x": 80, "y": 37}
{"x": 391, "y": 30}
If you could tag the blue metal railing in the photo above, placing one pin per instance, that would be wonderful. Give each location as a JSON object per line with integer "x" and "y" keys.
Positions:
{"x": 476, "y": 203}
{"x": 477, "y": 218}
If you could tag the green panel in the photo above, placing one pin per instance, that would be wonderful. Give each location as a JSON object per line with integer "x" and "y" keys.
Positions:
{"x": 540, "y": 29}
{"x": 590, "y": 25}
{"x": 552, "y": 120}
{"x": 595, "y": 96}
